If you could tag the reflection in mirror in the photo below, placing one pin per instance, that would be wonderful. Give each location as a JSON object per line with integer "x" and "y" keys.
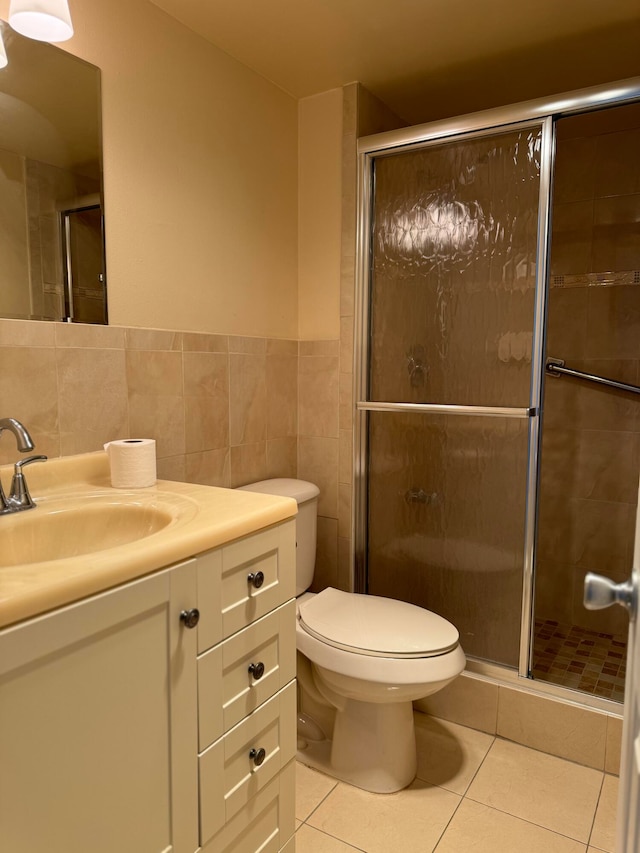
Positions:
{"x": 51, "y": 199}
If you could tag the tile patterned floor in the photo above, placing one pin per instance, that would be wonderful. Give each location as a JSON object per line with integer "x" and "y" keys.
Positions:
{"x": 473, "y": 792}
{"x": 580, "y": 659}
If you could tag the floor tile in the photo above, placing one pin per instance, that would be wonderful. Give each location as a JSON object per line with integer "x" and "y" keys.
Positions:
{"x": 309, "y": 840}
{"x": 481, "y": 829}
{"x": 449, "y": 755}
{"x": 410, "y": 821}
{"x": 549, "y": 791}
{"x": 311, "y": 789}
{"x": 603, "y": 835}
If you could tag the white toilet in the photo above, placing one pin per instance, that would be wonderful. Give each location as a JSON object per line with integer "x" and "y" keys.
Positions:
{"x": 362, "y": 660}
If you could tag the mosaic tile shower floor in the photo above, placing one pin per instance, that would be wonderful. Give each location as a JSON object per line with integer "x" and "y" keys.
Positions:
{"x": 580, "y": 659}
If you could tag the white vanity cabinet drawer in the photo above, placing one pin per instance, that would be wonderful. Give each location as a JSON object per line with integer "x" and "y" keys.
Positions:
{"x": 243, "y": 581}
{"x": 238, "y": 675}
{"x": 266, "y": 824}
{"x": 229, "y": 774}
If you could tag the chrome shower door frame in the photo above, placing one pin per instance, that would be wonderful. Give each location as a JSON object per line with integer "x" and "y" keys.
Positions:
{"x": 539, "y": 113}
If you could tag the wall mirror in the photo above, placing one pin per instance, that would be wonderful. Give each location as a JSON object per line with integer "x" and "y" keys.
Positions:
{"x": 51, "y": 198}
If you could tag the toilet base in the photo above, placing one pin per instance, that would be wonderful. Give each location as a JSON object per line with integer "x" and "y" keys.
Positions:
{"x": 373, "y": 747}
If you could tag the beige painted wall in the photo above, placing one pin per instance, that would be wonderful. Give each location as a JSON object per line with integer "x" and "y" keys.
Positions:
{"x": 319, "y": 215}
{"x": 200, "y": 168}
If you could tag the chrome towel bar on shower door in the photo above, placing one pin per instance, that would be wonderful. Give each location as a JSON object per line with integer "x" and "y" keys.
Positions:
{"x": 555, "y": 366}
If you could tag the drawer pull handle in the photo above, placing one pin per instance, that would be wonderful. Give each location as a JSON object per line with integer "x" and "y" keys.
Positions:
{"x": 257, "y": 670}
{"x": 258, "y": 756}
{"x": 190, "y": 618}
{"x": 256, "y": 579}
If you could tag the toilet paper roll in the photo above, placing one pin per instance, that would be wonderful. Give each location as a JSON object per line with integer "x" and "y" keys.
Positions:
{"x": 132, "y": 462}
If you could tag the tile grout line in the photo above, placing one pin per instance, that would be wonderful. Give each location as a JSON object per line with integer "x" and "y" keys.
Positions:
{"x": 517, "y": 817}
{"x": 448, "y": 824}
{"x": 492, "y": 744}
{"x": 555, "y": 755}
{"x": 317, "y": 806}
{"x": 304, "y": 822}
{"x": 530, "y": 822}
{"x": 335, "y": 837}
{"x": 463, "y": 796}
{"x": 595, "y": 811}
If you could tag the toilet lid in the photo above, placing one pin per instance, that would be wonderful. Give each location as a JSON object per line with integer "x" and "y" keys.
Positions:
{"x": 371, "y": 625}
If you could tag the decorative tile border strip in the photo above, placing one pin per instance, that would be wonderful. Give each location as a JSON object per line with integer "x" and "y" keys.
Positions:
{"x": 597, "y": 279}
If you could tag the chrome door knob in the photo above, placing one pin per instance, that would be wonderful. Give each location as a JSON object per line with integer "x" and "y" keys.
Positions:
{"x": 600, "y": 592}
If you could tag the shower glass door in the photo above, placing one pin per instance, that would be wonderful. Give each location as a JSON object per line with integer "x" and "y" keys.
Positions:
{"x": 590, "y": 455}
{"x": 450, "y": 389}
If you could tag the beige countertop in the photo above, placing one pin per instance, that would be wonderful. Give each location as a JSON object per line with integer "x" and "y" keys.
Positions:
{"x": 197, "y": 518}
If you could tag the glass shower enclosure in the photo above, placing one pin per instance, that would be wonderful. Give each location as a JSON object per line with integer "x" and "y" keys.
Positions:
{"x": 454, "y": 247}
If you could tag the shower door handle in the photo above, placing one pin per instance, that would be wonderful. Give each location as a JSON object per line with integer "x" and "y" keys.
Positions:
{"x": 601, "y": 592}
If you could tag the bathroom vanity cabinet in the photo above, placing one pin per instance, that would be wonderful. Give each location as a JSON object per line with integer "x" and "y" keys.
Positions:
{"x": 126, "y": 727}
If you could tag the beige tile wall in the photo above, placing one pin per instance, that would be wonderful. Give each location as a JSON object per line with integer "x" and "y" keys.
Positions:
{"x": 596, "y": 216}
{"x": 318, "y": 446}
{"x": 222, "y": 409}
{"x": 584, "y": 735}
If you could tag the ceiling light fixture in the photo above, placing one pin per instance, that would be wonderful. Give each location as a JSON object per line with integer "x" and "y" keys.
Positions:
{"x": 43, "y": 20}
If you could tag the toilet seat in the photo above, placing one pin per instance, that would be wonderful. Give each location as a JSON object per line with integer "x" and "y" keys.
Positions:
{"x": 373, "y": 626}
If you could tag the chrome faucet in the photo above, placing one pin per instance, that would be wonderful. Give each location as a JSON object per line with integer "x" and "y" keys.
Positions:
{"x": 23, "y": 439}
{"x": 19, "y": 497}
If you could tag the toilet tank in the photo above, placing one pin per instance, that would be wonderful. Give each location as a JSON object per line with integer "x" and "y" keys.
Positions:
{"x": 306, "y": 494}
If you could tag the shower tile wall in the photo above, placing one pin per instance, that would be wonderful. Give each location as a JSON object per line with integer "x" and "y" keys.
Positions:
{"x": 591, "y": 435}
{"x": 597, "y": 193}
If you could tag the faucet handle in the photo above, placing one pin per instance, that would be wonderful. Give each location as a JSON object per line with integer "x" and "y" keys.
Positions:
{"x": 19, "y": 498}
{"x": 19, "y": 465}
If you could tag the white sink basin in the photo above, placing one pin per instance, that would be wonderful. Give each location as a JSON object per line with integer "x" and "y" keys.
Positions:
{"x": 63, "y": 528}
